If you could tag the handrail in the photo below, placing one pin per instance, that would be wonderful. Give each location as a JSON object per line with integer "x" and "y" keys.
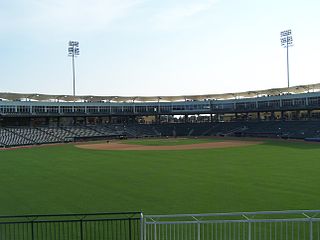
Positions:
{"x": 67, "y": 214}
{"x": 232, "y": 214}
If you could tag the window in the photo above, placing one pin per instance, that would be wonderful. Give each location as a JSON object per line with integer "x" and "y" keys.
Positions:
{"x": 53, "y": 109}
{"x": 105, "y": 109}
{"x": 287, "y": 103}
{"x": 314, "y": 101}
{"x": 263, "y": 104}
{"x": 128, "y": 109}
{"x": 65, "y": 109}
{"x": 78, "y": 109}
{"x": 38, "y": 109}
{"x": 7, "y": 109}
{"x": 240, "y": 105}
{"x": 300, "y": 102}
{"x": 165, "y": 109}
{"x": 23, "y": 109}
{"x": 116, "y": 109}
{"x": 274, "y": 104}
{"x": 92, "y": 109}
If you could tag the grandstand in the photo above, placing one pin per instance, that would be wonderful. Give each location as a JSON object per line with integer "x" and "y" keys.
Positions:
{"x": 27, "y": 119}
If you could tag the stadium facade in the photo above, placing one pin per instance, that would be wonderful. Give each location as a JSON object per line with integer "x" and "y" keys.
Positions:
{"x": 295, "y": 103}
{"x": 27, "y": 119}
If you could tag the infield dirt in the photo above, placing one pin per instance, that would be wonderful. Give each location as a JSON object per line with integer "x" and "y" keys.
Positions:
{"x": 121, "y": 146}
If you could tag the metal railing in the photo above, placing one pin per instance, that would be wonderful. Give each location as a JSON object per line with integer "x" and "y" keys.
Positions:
{"x": 274, "y": 225}
{"x": 98, "y": 226}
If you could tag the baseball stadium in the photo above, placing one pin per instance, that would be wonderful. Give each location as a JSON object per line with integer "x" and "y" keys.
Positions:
{"x": 241, "y": 165}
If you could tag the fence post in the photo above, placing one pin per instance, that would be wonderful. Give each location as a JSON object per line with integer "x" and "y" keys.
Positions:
{"x": 81, "y": 229}
{"x": 311, "y": 229}
{"x": 155, "y": 231}
{"x": 145, "y": 229}
{"x": 32, "y": 231}
{"x": 130, "y": 229}
{"x": 249, "y": 230}
{"x": 141, "y": 226}
{"x": 199, "y": 231}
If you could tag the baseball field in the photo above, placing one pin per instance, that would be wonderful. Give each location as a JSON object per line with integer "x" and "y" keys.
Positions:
{"x": 173, "y": 176}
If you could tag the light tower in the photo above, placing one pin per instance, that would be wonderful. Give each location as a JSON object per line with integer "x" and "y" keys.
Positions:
{"x": 73, "y": 51}
{"x": 286, "y": 42}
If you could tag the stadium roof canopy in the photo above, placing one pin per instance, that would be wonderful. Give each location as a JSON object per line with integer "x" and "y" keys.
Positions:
{"x": 223, "y": 96}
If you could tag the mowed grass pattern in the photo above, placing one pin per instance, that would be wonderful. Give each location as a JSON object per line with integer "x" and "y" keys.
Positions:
{"x": 62, "y": 179}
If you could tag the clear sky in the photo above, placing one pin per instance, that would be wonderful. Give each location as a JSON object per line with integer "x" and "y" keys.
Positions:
{"x": 157, "y": 47}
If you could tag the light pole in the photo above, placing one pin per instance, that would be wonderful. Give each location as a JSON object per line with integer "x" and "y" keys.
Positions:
{"x": 73, "y": 51}
{"x": 286, "y": 42}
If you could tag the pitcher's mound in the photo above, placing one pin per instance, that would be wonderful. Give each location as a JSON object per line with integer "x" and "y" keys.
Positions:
{"x": 121, "y": 146}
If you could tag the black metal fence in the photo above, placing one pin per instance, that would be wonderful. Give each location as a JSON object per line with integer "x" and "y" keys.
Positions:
{"x": 98, "y": 226}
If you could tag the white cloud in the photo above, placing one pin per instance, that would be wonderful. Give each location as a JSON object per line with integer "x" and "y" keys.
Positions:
{"x": 174, "y": 16}
{"x": 64, "y": 15}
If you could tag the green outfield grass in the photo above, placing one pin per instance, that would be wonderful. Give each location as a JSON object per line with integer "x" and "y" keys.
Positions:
{"x": 56, "y": 179}
{"x": 170, "y": 141}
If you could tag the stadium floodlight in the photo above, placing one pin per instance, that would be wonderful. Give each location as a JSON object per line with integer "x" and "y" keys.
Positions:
{"x": 73, "y": 51}
{"x": 286, "y": 42}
